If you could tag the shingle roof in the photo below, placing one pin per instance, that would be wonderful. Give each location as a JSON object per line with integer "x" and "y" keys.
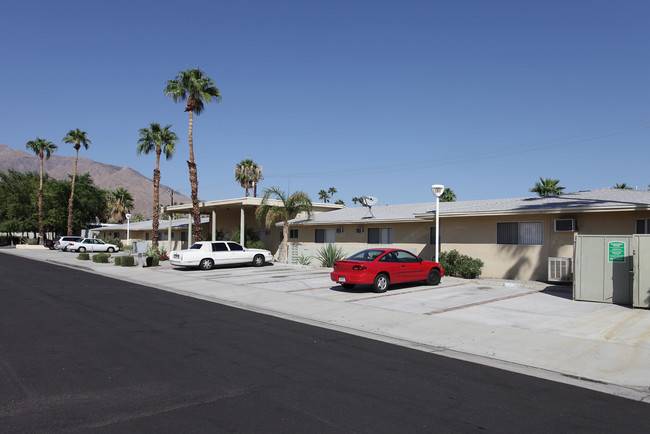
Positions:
{"x": 605, "y": 199}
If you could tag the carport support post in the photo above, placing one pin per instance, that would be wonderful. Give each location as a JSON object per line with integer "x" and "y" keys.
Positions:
{"x": 214, "y": 225}
{"x": 242, "y": 228}
{"x": 189, "y": 230}
{"x": 169, "y": 233}
{"x": 437, "y": 190}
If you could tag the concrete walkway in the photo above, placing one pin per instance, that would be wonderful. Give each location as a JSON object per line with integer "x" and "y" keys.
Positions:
{"x": 525, "y": 327}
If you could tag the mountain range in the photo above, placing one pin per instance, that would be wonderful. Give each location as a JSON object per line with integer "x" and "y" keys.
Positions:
{"x": 105, "y": 176}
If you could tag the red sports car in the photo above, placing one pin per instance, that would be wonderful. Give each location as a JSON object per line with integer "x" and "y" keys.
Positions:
{"x": 381, "y": 267}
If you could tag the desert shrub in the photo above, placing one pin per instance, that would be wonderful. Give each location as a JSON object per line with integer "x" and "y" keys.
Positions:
{"x": 128, "y": 248}
{"x": 328, "y": 254}
{"x": 459, "y": 265}
{"x": 101, "y": 258}
{"x": 83, "y": 256}
{"x": 118, "y": 260}
{"x": 128, "y": 261}
{"x": 304, "y": 260}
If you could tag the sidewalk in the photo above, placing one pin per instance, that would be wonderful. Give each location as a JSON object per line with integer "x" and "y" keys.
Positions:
{"x": 525, "y": 327}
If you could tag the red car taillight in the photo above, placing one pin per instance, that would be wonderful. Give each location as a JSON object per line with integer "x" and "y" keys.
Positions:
{"x": 359, "y": 267}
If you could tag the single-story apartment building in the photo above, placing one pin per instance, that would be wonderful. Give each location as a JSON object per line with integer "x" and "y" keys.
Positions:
{"x": 172, "y": 234}
{"x": 515, "y": 238}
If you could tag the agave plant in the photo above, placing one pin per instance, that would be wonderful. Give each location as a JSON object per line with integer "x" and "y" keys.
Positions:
{"x": 328, "y": 254}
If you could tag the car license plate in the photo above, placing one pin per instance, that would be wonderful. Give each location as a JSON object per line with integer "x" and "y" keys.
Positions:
{"x": 341, "y": 278}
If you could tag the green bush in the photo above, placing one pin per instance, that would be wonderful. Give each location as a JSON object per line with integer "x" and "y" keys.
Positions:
{"x": 459, "y": 265}
{"x": 101, "y": 258}
{"x": 128, "y": 261}
{"x": 328, "y": 254}
{"x": 128, "y": 248}
{"x": 118, "y": 260}
{"x": 152, "y": 261}
{"x": 115, "y": 241}
{"x": 83, "y": 256}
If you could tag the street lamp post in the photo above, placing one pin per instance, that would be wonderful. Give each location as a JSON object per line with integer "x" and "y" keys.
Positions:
{"x": 437, "y": 190}
{"x": 128, "y": 229}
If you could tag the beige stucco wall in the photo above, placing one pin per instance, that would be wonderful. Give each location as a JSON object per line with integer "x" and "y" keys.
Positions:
{"x": 477, "y": 237}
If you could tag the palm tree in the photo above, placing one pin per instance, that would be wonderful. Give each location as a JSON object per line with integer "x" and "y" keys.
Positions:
{"x": 332, "y": 191}
{"x": 448, "y": 195}
{"x": 289, "y": 208}
{"x": 79, "y": 139}
{"x": 323, "y": 196}
{"x": 42, "y": 148}
{"x": 623, "y": 186}
{"x": 248, "y": 174}
{"x": 547, "y": 187}
{"x": 161, "y": 140}
{"x": 195, "y": 88}
{"x": 120, "y": 202}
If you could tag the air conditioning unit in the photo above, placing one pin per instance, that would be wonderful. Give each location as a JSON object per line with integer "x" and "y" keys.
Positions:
{"x": 565, "y": 225}
{"x": 559, "y": 270}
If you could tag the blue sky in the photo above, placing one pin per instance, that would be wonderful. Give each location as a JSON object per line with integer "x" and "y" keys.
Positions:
{"x": 379, "y": 98}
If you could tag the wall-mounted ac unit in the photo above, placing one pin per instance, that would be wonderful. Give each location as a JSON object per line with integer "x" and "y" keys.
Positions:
{"x": 565, "y": 225}
{"x": 559, "y": 270}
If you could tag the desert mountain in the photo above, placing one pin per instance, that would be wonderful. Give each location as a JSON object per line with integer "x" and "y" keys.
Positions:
{"x": 105, "y": 176}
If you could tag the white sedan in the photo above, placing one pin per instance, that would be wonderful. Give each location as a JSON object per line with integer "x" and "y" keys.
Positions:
{"x": 91, "y": 245}
{"x": 207, "y": 254}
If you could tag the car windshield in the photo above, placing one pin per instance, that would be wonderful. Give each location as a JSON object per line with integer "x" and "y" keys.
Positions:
{"x": 366, "y": 255}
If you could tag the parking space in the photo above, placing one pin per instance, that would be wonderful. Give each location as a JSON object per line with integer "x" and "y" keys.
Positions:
{"x": 452, "y": 294}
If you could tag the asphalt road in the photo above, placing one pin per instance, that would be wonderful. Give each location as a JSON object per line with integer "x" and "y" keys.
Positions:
{"x": 82, "y": 352}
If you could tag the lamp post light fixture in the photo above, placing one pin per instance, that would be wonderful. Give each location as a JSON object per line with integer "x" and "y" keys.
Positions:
{"x": 437, "y": 190}
{"x": 128, "y": 232}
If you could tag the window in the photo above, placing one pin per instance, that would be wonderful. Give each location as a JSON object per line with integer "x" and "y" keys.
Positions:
{"x": 520, "y": 233}
{"x": 642, "y": 226}
{"x": 146, "y": 236}
{"x": 235, "y": 246}
{"x": 219, "y": 247}
{"x": 324, "y": 236}
{"x": 293, "y": 233}
{"x": 380, "y": 235}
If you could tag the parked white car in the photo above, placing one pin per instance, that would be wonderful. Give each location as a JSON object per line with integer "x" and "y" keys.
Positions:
{"x": 62, "y": 242}
{"x": 207, "y": 254}
{"x": 92, "y": 245}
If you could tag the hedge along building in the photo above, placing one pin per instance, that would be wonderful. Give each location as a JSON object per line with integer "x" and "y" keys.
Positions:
{"x": 513, "y": 237}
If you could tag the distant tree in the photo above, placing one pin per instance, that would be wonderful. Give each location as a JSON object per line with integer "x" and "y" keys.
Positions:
{"x": 196, "y": 88}
{"x": 248, "y": 174}
{"x": 137, "y": 217}
{"x": 448, "y": 195}
{"x": 42, "y": 148}
{"x": 340, "y": 202}
{"x": 323, "y": 196}
{"x": 78, "y": 139}
{"x": 357, "y": 200}
{"x": 18, "y": 207}
{"x": 161, "y": 140}
{"x": 288, "y": 209}
{"x": 547, "y": 187}
{"x": 120, "y": 202}
{"x": 623, "y": 186}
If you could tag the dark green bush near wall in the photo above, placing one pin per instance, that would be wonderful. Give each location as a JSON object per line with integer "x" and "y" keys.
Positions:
{"x": 128, "y": 261}
{"x": 459, "y": 265}
{"x": 152, "y": 261}
{"x": 118, "y": 260}
{"x": 101, "y": 258}
{"x": 83, "y": 256}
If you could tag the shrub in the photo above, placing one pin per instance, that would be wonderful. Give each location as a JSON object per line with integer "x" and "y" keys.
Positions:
{"x": 328, "y": 254}
{"x": 101, "y": 258}
{"x": 151, "y": 261}
{"x": 304, "y": 260}
{"x": 459, "y": 265}
{"x": 128, "y": 261}
{"x": 128, "y": 248}
{"x": 115, "y": 241}
{"x": 83, "y": 256}
{"x": 118, "y": 260}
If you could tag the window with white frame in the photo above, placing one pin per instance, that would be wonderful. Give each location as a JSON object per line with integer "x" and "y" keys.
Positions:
{"x": 325, "y": 236}
{"x": 380, "y": 235}
{"x": 520, "y": 233}
{"x": 293, "y": 233}
{"x": 642, "y": 226}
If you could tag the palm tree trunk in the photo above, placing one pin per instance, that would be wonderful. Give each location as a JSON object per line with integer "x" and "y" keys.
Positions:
{"x": 40, "y": 204}
{"x": 194, "y": 182}
{"x": 285, "y": 238}
{"x": 156, "y": 205}
{"x": 74, "y": 174}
